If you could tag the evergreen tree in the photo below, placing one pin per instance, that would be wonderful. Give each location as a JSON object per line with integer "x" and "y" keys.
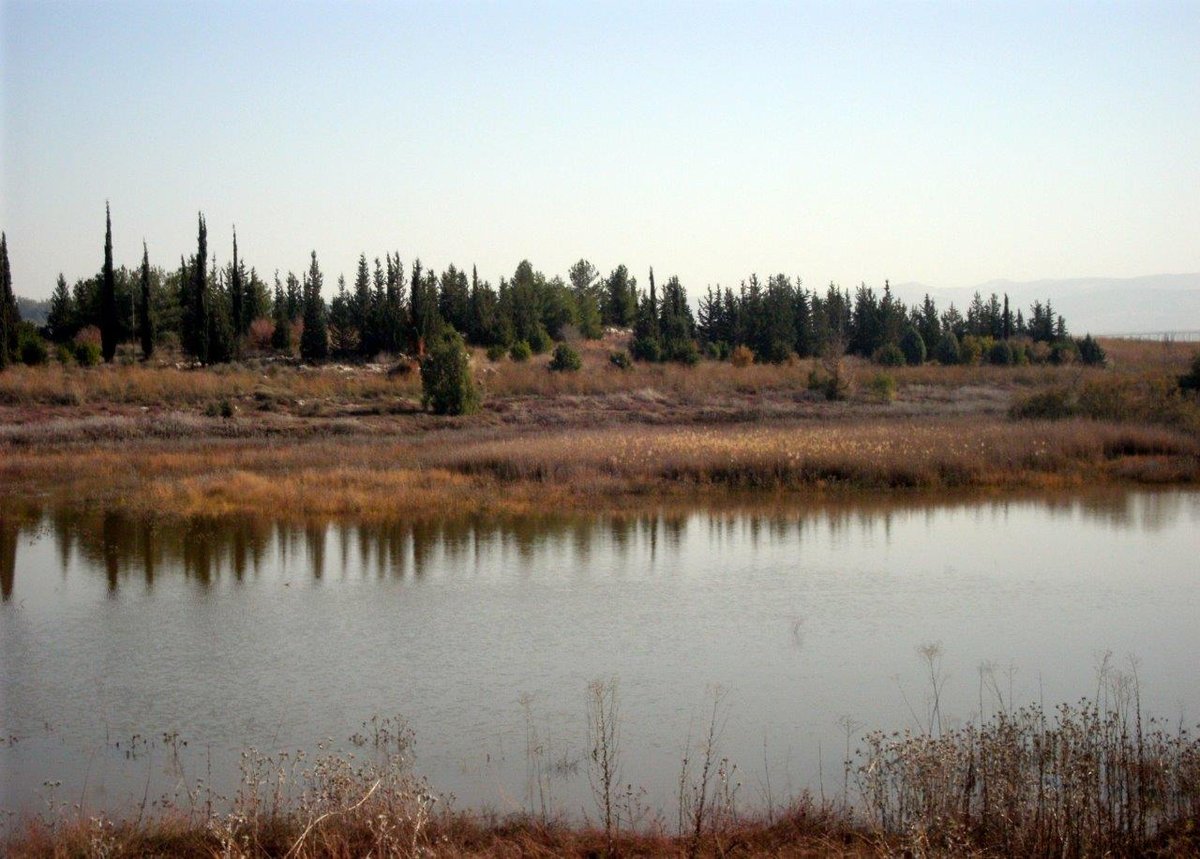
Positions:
{"x": 446, "y": 383}
{"x": 197, "y": 338}
{"x": 314, "y": 342}
{"x": 343, "y": 334}
{"x": 913, "y": 347}
{"x": 145, "y": 314}
{"x": 647, "y": 339}
{"x": 1006, "y": 323}
{"x": 295, "y": 297}
{"x": 10, "y": 316}
{"x": 236, "y": 300}
{"x": 363, "y": 310}
{"x": 108, "y": 296}
{"x": 61, "y": 319}
{"x": 281, "y": 337}
{"x": 221, "y": 338}
{"x": 619, "y": 306}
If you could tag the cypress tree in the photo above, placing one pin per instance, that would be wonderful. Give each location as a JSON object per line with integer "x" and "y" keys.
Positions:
{"x": 108, "y": 295}
{"x": 10, "y": 316}
{"x": 236, "y": 296}
{"x": 198, "y": 335}
{"x": 145, "y": 317}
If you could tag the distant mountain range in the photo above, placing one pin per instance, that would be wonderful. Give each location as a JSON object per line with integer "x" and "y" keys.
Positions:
{"x": 1097, "y": 305}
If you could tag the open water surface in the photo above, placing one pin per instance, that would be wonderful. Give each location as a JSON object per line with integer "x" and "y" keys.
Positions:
{"x": 138, "y": 657}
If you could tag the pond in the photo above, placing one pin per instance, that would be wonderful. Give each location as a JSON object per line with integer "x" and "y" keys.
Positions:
{"x": 139, "y": 657}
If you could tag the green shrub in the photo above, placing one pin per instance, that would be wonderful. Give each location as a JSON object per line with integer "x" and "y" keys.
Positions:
{"x": 87, "y": 353}
{"x": 947, "y": 349}
{"x": 520, "y": 351}
{"x": 1050, "y": 404}
{"x": 221, "y": 408}
{"x": 1190, "y": 381}
{"x": 620, "y": 360}
{"x": 971, "y": 350}
{"x": 682, "y": 351}
{"x": 446, "y": 384}
{"x": 646, "y": 349}
{"x": 496, "y": 351}
{"x": 565, "y": 360}
{"x": 912, "y": 344}
{"x": 889, "y": 356}
{"x": 1001, "y": 354}
{"x": 882, "y": 387}
{"x": 718, "y": 350}
{"x": 34, "y": 352}
{"x": 1063, "y": 352}
{"x": 832, "y": 386}
{"x": 541, "y": 342}
{"x": 63, "y": 353}
{"x": 1090, "y": 352}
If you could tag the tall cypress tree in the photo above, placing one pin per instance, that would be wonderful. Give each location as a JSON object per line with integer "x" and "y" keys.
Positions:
{"x": 61, "y": 320}
{"x": 145, "y": 317}
{"x": 10, "y": 316}
{"x": 236, "y": 296}
{"x": 108, "y": 295}
{"x": 198, "y": 335}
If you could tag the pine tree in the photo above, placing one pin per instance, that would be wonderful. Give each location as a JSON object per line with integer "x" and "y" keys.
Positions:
{"x": 145, "y": 316}
{"x": 281, "y": 337}
{"x": 314, "y": 342}
{"x": 61, "y": 319}
{"x": 108, "y": 296}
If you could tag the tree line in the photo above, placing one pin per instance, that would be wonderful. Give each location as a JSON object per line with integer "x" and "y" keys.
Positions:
{"x": 217, "y": 313}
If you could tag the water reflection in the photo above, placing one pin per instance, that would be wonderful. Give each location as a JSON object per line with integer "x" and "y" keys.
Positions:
{"x": 124, "y": 546}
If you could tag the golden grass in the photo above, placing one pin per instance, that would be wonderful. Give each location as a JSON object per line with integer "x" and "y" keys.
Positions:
{"x": 485, "y": 471}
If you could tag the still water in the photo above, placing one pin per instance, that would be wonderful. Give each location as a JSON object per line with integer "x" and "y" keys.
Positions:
{"x": 121, "y": 639}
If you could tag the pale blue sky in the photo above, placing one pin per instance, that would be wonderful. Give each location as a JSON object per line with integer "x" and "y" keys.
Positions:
{"x": 945, "y": 143}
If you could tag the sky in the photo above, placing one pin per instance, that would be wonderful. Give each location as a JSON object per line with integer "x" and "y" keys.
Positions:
{"x": 945, "y": 143}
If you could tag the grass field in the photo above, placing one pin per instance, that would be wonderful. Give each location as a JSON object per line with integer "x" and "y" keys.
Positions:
{"x": 352, "y": 441}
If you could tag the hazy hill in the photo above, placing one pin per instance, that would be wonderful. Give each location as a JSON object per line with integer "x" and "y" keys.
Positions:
{"x": 1100, "y": 305}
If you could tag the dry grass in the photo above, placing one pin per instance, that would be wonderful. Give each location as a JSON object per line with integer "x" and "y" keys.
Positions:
{"x": 489, "y": 471}
{"x": 1093, "y": 779}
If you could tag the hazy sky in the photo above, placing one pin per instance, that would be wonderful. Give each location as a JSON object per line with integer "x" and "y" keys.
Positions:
{"x": 945, "y": 143}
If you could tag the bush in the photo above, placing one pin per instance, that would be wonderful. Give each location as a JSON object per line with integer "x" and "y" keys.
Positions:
{"x": 1090, "y": 352}
{"x": 832, "y": 386}
{"x": 446, "y": 383}
{"x": 646, "y": 349}
{"x": 496, "y": 351}
{"x": 682, "y": 351}
{"x": 34, "y": 352}
{"x": 87, "y": 353}
{"x": 565, "y": 360}
{"x": 1191, "y": 380}
{"x": 540, "y": 342}
{"x": 1001, "y": 354}
{"x": 64, "y": 355}
{"x": 947, "y": 349}
{"x": 912, "y": 344}
{"x": 889, "y": 356}
{"x": 1063, "y": 352}
{"x": 222, "y": 408}
{"x": 882, "y": 387}
{"x": 741, "y": 356}
{"x": 972, "y": 349}
{"x": 718, "y": 350}
{"x": 520, "y": 351}
{"x": 621, "y": 360}
{"x": 262, "y": 332}
{"x": 1051, "y": 404}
